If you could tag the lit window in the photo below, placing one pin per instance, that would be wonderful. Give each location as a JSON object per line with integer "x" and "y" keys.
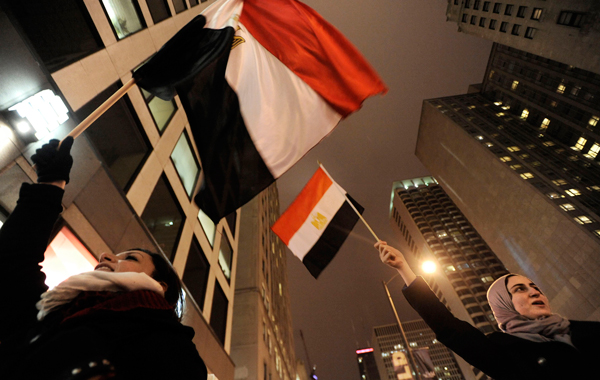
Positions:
{"x": 583, "y": 219}
{"x": 515, "y": 167}
{"x": 530, "y": 146}
{"x": 225, "y": 256}
{"x": 580, "y": 144}
{"x": 594, "y": 150}
{"x": 567, "y": 207}
{"x": 536, "y": 14}
{"x": 185, "y": 163}
{"x": 450, "y": 268}
{"x": 554, "y": 195}
{"x": 559, "y": 182}
{"x": 554, "y": 104}
{"x": 513, "y": 148}
{"x": 64, "y": 257}
{"x": 498, "y": 103}
{"x": 208, "y": 226}
{"x": 487, "y": 279}
{"x": 597, "y": 232}
{"x": 506, "y": 107}
{"x": 594, "y": 188}
{"x": 162, "y": 111}
{"x": 560, "y": 150}
{"x": 505, "y": 159}
{"x": 573, "y": 192}
{"x": 549, "y": 143}
{"x": 535, "y": 163}
{"x": 514, "y": 84}
{"x": 561, "y": 88}
{"x": 500, "y": 114}
{"x": 524, "y": 155}
{"x": 489, "y": 144}
{"x": 594, "y": 121}
{"x": 527, "y": 175}
{"x": 125, "y": 17}
{"x": 479, "y": 137}
{"x": 524, "y": 114}
{"x": 545, "y": 123}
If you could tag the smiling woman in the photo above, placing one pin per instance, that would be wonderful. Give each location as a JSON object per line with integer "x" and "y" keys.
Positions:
{"x": 117, "y": 321}
{"x": 534, "y": 342}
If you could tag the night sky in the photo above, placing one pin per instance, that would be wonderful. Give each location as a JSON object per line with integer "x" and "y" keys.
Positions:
{"x": 419, "y": 56}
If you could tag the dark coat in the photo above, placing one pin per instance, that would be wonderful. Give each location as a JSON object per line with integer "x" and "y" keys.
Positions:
{"x": 504, "y": 356}
{"x": 136, "y": 344}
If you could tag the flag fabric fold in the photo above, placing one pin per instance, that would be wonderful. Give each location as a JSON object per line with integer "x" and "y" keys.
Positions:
{"x": 317, "y": 223}
{"x": 261, "y": 82}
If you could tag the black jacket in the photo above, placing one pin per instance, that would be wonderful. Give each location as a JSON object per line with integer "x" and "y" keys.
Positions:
{"x": 504, "y": 356}
{"x": 136, "y": 344}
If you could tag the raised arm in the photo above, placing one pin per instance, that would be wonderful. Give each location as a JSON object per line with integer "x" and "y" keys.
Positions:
{"x": 25, "y": 236}
{"x": 395, "y": 259}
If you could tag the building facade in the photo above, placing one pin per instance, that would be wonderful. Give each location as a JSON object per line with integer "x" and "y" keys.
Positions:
{"x": 564, "y": 31}
{"x": 367, "y": 365}
{"x": 429, "y": 226}
{"x": 263, "y": 340}
{"x": 388, "y": 340}
{"x": 533, "y": 198}
{"x": 136, "y": 169}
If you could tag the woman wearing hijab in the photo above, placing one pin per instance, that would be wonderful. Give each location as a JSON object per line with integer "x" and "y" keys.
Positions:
{"x": 534, "y": 342}
{"x": 119, "y": 321}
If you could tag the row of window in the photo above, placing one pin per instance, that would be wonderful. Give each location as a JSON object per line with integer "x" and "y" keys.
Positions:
{"x": 492, "y": 24}
{"x": 536, "y": 14}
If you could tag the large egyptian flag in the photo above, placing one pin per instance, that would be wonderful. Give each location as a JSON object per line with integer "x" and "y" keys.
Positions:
{"x": 261, "y": 82}
{"x": 317, "y": 223}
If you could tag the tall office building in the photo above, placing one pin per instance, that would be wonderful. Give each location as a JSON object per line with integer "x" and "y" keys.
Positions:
{"x": 367, "y": 365}
{"x": 136, "y": 169}
{"x": 388, "y": 339}
{"x": 263, "y": 342}
{"x": 430, "y": 226}
{"x": 520, "y": 161}
{"x": 566, "y": 31}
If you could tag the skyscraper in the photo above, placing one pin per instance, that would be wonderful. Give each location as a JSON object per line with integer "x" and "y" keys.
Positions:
{"x": 367, "y": 366}
{"x": 531, "y": 190}
{"x": 262, "y": 345}
{"x": 430, "y": 226}
{"x": 564, "y": 31}
{"x": 388, "y": 340}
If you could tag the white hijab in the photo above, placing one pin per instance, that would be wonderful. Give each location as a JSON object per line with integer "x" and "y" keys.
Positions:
{"x": 544, "y": 329}
{"x": 67, "y": 290}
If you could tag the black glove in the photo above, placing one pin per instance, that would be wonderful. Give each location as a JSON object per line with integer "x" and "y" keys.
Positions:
{"x": 53, "y": 163}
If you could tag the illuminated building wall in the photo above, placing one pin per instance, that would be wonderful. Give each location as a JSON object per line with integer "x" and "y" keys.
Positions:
{"x": 136, "y": 169}
{"x": 367, "y": 365}
{"x": 565, "y": 31}
{"x": 262, "y": 344}
{"x": 388, "y": 340}
{"x": 532, "y": 197}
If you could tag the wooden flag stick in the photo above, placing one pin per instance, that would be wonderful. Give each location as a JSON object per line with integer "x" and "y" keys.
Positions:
{"x": 351, "y": 204}
{"x": 100, "y": 110}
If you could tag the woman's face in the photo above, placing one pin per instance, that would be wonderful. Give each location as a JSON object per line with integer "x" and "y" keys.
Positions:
{"x": 128, "y": 261}
{"x": 528, "y": 300}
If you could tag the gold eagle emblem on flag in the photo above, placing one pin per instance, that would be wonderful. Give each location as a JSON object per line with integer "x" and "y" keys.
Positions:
{"x": 319, "y": 221}
{"x": 237, "y": 40}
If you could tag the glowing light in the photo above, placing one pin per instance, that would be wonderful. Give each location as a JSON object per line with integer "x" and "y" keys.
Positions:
{"x": 364, "y": 350}
{"x": 428, "y": 267}
{"x": 44, "y": 111}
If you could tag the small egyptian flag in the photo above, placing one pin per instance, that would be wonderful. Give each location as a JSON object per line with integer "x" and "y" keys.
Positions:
{"x": 317, "y": 223}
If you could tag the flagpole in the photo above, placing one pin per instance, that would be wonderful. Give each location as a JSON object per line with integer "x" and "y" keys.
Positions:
{"x": 78, "y": 130}
{"x": 351, "y": 204}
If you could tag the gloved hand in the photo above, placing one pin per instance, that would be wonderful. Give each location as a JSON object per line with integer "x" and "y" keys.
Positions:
{"x": 53, "y": 163}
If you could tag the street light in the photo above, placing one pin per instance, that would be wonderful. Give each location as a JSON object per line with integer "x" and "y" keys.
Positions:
{"x": 428, "y": 266}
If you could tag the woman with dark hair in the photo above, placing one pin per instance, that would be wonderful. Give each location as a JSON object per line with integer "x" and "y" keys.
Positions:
{"x": 534, "y": 343}
{"x": 120, "y": 321}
